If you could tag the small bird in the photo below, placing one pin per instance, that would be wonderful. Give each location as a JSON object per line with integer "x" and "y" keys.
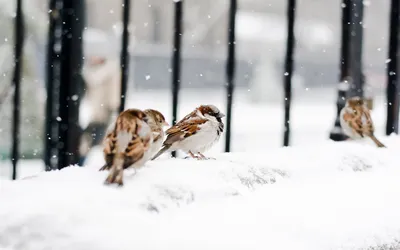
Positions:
{"x": 156, "y": 121}
{"x": 126, "y": 144}
{"x": 195, "y": 133}
{"x": 356, "y": 121}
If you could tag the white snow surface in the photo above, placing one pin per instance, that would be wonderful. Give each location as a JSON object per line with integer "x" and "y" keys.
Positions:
{"x": 334, "y": 195}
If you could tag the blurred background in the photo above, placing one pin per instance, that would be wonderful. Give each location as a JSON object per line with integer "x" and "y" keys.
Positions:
{"x": 257, "y": 122}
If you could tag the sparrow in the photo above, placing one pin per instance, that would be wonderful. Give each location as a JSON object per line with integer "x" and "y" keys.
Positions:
{"x": 156, "y": 121}
{"x": 126, "y": 144}
{"x": 195, "y": 133}
{"x": 356, "y": 121}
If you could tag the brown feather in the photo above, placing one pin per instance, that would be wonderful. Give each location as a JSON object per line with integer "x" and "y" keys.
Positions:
{"x": 190, "y": 125}
{"x": 156, "y": 123}
{"x": 118, "y": 159}
{"x": 360, "y": 120}
{"x": 109, "y": 145}
{"x": 183, "y": 130}
{"x": 377, "y": 142}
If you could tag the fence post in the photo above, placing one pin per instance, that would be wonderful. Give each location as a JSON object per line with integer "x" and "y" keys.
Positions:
{"x": 176, "y": 60}
{"x": 291, "y": 11}
{"x": 230, "y": 71}
{"x": 356, "y": 42}
{"x": 63, "y": 83}
{"x": 71, "y": 66}
{"x": 393, "y": 71}
{"x": 52, "y": 81}
{"x": 351, "y": 75}
{"x": 18, "y": 50}
{"x": 124, "y": 53}
{"x": 343, "y": 86}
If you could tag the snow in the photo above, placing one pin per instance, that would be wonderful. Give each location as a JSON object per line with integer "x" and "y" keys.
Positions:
{"x": 329, "y": 195}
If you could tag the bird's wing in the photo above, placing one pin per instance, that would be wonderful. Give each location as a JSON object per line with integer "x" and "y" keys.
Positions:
{"x": 138, "y": 145}
{"x": 109, "y": 148}
{"x": 368, "y": 125}
{"x": 354, "y": 118}
{"x": 183, "y": 130}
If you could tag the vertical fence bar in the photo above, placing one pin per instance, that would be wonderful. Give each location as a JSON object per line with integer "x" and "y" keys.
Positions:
{"x": 343, "y": 86}
{"x": 52, "y": 83}
{"x": 230, "y": 72}
{"x": 71, "y": 66}
{"x": 176, "y": 60}
{"x": 356, "y": 42}
{"x": 124, "y": 53}
{"x": 393, "y": 71}
{"x": 18, "y": 50}
{"x": 291, "y": 11}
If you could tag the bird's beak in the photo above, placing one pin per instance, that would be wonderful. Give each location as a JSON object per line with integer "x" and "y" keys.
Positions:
{"x": 220, "y": 115}
{"x": 165, "y": 123}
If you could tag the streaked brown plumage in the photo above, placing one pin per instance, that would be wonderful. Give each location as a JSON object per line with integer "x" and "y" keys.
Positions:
{"x": 126, "y": 144}
{"x": 156, "y": 121}
{"x": 356, "y": 121}
{"x": 195, "y": 133}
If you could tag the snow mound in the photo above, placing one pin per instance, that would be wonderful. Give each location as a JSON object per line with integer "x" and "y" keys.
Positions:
{"x": 329, "y": 196}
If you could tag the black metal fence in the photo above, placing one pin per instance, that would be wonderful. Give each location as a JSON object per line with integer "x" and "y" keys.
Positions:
{"x": 65, "y": 59}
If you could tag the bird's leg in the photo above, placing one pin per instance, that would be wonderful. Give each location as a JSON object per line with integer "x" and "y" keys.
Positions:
{"x": 203, "y": 157}
{"x": 194, "y": 156}
{"x": 115, "y": 176}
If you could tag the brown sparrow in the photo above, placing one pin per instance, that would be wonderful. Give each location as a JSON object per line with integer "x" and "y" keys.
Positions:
{"x": 356, "y": 121}
{"x": 156, "y": 121}
{"x": 195, "y": 133}
{"x": 126, "y": 144}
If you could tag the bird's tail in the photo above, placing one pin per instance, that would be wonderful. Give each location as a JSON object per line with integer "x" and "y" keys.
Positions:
{"x": 162, "y": 151}
{"x": 377, "y": 142}
{"x": 116, "y": 173}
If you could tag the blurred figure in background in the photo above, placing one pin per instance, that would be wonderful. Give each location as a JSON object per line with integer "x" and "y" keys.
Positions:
{"x": 102, "y": 76}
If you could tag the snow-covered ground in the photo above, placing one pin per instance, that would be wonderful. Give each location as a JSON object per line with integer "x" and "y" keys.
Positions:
{"x": 326, "y": 196}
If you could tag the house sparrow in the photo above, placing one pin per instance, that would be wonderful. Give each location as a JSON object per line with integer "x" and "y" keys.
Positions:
{"x": 126, "y": 144}
{"x": 355, "y": 119}
{"x": 156, "y": 121}
{"x": 195, "y": 133}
